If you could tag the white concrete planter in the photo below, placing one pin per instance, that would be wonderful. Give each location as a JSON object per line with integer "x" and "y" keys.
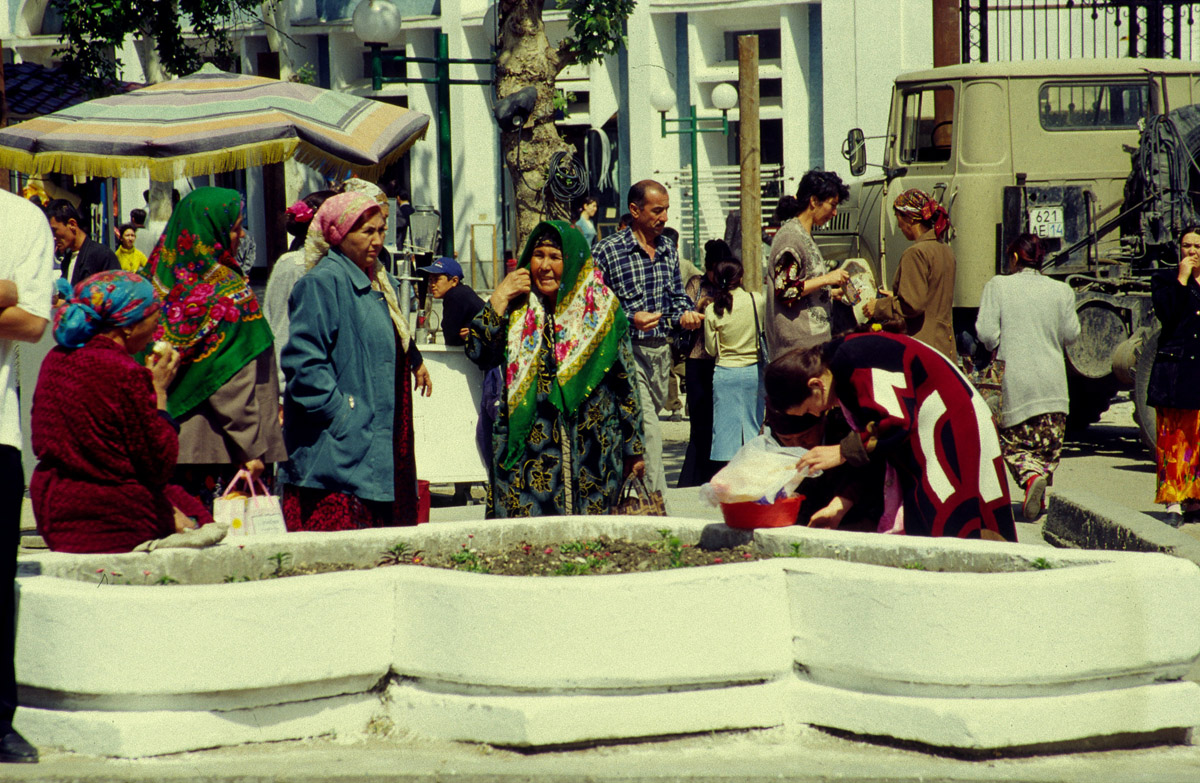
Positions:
{"x": 1094, "y": 647}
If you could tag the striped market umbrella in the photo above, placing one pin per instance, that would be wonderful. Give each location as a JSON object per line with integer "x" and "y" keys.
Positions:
{"x": 212, "y": 122}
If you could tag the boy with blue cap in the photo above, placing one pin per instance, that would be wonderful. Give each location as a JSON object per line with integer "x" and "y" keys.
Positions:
{"x": 459, "y": 303}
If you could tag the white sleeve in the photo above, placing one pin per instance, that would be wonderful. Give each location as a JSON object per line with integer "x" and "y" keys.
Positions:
{"x": 33, "y": 266}
{"x": 987, "y": 323}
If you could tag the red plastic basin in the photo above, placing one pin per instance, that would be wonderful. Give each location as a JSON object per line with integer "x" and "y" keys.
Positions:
{"x": 748, "y": 516}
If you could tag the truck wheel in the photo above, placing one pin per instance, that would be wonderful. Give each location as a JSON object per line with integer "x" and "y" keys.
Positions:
{"x": 1089, "y": 399}
{"x": 1143, "y": 413}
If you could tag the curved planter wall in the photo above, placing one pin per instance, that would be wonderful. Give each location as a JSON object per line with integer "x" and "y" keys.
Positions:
{"x": 1095, "y": 646}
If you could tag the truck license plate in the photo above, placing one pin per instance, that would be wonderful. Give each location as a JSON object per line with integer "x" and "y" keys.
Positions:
{"x": 1046, "y": 222}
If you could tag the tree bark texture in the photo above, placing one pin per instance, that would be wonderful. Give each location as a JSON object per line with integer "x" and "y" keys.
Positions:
{"x": 527, "y": 58}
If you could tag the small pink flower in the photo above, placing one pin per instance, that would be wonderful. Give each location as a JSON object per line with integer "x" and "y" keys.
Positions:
{"x": 549, "y": 550}
{"x": 145, "y": 573}
{"x": 718, "y": 560}
{"x": 99, "y": 570}
{"x": 470, "y": 535}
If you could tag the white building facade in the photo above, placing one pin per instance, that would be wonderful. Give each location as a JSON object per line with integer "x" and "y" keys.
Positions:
{"x": 824, "y": 67}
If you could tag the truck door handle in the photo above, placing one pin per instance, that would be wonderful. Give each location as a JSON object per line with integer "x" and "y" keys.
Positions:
{"x": 939, "y": 190}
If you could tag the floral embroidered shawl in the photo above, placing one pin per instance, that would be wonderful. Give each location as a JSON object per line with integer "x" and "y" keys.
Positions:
{"x": 210, "y": 314}
{"x": 588, "y": 325}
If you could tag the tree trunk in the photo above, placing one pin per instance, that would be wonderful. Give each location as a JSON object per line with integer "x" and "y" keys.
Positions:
{"x": 158, "y": 200}
{"x": 526, "y": 58}
{"x": 275, "y": 16}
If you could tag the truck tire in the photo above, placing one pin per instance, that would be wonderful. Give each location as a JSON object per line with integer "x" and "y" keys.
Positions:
{"x": 1089, "y": 399}
{"x": 1143, "y": 413}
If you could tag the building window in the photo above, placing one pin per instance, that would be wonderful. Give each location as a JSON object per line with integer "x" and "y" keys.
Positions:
{"x": 769, "y": 47}
{"x": 1093, "y": 106}
{"x": 927, "y": 125}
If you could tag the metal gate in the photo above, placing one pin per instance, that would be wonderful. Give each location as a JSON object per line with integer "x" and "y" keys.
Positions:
{"x": 1041, "y": 29}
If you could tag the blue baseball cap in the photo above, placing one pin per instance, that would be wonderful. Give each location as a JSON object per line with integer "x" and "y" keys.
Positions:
{"x": 443, "y": 266}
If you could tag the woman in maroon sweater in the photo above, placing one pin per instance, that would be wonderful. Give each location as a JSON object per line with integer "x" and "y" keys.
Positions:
{"x": 104, "y": 442}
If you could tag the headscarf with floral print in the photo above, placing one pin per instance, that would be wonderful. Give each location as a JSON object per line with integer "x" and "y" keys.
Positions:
{"x": 918, "y": 205}
{"x": 210, "y": 314}
{"x": 106, "y": 300}
{"x": 587, "y": 326}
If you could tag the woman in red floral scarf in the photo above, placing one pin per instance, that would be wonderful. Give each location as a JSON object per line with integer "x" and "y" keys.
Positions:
{"x": 226, "y": 395}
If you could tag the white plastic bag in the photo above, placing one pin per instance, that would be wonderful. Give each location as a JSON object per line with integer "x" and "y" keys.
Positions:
{"x": 762, "y": 471}
{"x": 257, "y": 514}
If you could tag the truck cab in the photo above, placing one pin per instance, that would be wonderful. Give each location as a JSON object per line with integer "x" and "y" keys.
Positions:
{"x": 1042, "y": 146}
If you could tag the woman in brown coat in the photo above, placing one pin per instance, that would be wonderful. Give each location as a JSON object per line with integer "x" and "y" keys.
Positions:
{"x": 922, "y": 294}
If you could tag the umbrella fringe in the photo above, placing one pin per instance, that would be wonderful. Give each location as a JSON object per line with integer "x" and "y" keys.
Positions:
{"x": 82, "y": 165}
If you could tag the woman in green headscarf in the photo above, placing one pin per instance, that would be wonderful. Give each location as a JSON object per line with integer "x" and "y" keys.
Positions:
{"x": 569, "y": 427}
{"x": 226, "y": 394}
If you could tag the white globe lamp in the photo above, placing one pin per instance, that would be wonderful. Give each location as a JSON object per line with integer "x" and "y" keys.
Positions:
{"x": 663, "y": 99}
{"x": 377, "y": 21}
{"x": 724, "y": 96}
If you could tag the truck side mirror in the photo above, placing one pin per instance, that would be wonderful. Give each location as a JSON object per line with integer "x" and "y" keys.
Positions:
{"x": 855, "y": 151}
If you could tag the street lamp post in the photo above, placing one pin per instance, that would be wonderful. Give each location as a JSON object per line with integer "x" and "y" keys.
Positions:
{"x": 724, "y": 97}
{"x": 377, "y": 22}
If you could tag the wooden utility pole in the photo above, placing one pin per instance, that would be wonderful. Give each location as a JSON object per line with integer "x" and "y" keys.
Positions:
{"x": 750, "y": 156}
{"x": 5, "y": 177}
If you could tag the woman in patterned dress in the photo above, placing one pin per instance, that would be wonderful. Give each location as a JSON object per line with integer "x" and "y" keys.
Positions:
{"x": 1029, "y": 318}
{"x": 226, "y": 395}
{"x": 569, "y": 428}
{"x": 799, "y": 309}
{"x": 1174, "y": 388}
{"x": 909, "y": 406}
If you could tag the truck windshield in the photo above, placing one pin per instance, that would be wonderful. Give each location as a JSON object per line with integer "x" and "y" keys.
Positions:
{"x": 927, "y": 125}
{"x": 1093, "y": 106}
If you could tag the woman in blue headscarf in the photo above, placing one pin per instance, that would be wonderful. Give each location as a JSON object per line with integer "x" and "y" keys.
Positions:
{"x": 105, "y": 444}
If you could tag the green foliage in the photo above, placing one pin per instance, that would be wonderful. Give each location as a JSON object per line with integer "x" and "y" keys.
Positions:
{"x": 672, "y": 546}
{"x": 306, "y": 74}
{"x": 468, "y": 560}
{"x": 92, "y": 27}
{"x": 1041, "y": 564}
{"x": 914, "y": 565}
{"x": 597, "y": 27}
{"x": 282, "y": 560}
{"x": 399, "y": 553}
{"x": 166, "y": 580}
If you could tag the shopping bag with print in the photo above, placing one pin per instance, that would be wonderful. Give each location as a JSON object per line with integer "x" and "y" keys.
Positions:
{"x": 230, "y": 508}
{"x": 263, "y": 513}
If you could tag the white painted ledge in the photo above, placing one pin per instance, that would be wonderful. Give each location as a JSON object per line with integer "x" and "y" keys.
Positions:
{"x": 1092, "y": 647}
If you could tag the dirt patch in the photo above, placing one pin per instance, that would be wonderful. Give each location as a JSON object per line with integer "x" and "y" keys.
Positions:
{"x": 601, "y": 555}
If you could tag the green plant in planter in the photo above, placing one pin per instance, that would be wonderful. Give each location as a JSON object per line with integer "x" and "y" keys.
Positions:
{"x": 672, "y": 546}
{"x": 1042, "y": 564}
{"x": 468, "y": 560}
{"x": 282, "y": 560}
{"x": 398, "y": 553}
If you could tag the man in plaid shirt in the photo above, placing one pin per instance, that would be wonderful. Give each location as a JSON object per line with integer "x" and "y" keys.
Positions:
{"x": 641, "y": 266}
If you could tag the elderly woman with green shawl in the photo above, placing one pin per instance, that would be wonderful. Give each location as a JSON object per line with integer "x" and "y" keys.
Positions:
{"x": 226, "y": 394}
{"x": 569, "y": 428}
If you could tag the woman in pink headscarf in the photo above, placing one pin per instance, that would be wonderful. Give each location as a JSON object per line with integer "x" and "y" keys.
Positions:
{"x": 922, "y": 295}
{"x": 347, "y": 415}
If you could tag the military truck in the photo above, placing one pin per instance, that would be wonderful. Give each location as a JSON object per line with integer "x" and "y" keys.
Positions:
{"x": 1098, "y": 157}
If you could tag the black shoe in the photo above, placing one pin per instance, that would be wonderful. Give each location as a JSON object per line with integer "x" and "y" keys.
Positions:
{"x": 15, "y": 750}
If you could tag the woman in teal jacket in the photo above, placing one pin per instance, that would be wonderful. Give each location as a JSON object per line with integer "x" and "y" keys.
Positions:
{"x": 348, "y": 404}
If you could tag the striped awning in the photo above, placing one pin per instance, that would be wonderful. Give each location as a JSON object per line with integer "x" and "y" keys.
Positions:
{"x": 212, "y": 122}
